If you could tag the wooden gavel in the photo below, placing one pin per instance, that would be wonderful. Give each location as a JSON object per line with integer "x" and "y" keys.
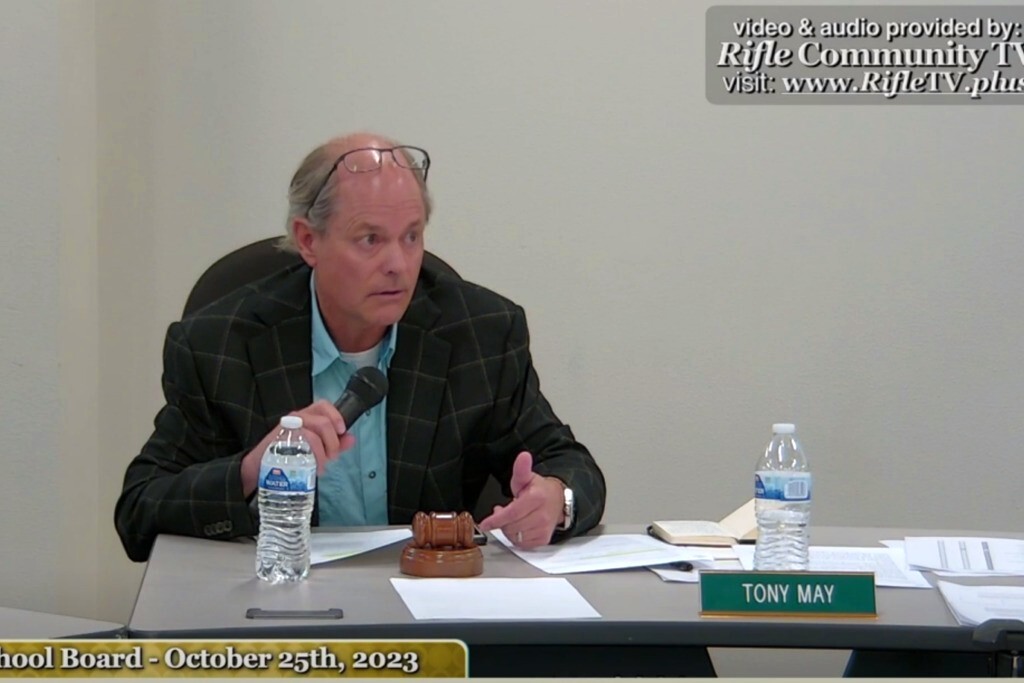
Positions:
{"x": 443, "y": 530}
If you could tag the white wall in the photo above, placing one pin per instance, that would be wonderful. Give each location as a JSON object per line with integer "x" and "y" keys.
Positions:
{"x": 77, "y": 559}
{"x": 29, "y": 333}
{"x": 692, "y": 273}
{"x": 49, "y": 336}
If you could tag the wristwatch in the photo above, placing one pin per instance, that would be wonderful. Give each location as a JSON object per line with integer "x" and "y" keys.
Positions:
{"x": 568, "y": 509}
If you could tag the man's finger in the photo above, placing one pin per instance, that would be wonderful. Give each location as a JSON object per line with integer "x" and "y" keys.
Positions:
{"x": 487, "y": 523}
{"x": 322, "y": 427}
{"x": 534, "y": 538}
{"x": 522, "y": 472}
{"x": 319, "y": 452}
{"x": 327, "y": 409}
{"x": 346, "y": 442}
{"x": 512, "y": 513}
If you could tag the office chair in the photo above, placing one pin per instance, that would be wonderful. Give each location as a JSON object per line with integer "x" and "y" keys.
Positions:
{"x": 253, "y": 262}
{"x": 262, "y": 258}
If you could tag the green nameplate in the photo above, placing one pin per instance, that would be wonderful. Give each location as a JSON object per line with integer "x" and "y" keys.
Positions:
{"x": 787, "y": 594}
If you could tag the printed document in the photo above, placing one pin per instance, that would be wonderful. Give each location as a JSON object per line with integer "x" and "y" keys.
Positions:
{"x": 971, "y": 605}
{"x": 669, "y": 574}
{"x": 965, "y": 555}
{"x": 607, "y": 551}
{"x": 888, "y": 564}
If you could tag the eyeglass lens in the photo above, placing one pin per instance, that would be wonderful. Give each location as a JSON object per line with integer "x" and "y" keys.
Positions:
{"x": 362, "y": 160}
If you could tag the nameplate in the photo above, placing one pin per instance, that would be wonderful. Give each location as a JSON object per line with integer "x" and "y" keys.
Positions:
{"x": 787, "y": 594}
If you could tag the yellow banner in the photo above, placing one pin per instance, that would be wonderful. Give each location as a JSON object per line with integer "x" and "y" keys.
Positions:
{"x": 237, "y": 658}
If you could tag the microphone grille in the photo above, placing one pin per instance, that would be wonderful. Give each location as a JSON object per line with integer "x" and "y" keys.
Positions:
{"x": 369, "y": 384}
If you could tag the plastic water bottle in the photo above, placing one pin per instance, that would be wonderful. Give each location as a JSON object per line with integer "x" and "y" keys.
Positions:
{"x": 782, "y": 493}
{"x": 287, "y": 487}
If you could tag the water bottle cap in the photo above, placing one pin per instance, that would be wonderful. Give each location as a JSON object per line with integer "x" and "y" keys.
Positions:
{"x": 783, "y": 428}
{"x": 291, "y": 422}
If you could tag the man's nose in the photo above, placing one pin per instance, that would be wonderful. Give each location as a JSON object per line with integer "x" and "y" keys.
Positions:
{"x": 395, "y": 259}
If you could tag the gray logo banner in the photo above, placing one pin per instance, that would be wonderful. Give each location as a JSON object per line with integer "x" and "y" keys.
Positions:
{"x": 863, "y": 54}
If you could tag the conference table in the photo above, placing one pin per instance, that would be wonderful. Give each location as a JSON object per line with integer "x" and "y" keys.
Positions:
{"x": 203, "y": 589}
{"x": 20, "y": 624}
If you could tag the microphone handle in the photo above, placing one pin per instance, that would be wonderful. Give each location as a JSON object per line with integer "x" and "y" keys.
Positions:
{"x": 351, "y": 407}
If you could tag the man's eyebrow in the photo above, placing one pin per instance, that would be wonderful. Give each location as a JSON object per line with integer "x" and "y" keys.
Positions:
{"x": 364, "y": 226}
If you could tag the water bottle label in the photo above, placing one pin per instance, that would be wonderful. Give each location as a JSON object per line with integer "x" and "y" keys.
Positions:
{"x": 293, "y": 480}
{"x": 782, "y": 485}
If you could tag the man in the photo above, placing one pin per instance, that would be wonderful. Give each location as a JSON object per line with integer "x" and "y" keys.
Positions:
{"x": 464, "y": 400}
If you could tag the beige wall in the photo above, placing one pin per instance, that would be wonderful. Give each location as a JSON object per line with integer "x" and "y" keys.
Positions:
{"x": 692, "y": 273}
{"x": 29, "y": 331}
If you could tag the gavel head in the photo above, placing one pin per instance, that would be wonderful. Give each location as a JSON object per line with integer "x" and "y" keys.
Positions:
{"x": 443, "y": 530}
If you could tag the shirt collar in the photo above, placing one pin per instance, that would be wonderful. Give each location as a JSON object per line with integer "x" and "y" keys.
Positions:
{"x": 325, "y": 352}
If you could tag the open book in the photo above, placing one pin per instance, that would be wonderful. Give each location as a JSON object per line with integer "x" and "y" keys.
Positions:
{"x": 739, "y": 527}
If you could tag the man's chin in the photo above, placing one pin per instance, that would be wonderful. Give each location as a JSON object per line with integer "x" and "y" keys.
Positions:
{"x": 391, "y": 312}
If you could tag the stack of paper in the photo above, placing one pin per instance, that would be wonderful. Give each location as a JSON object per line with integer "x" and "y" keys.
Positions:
{"x": 607, "y": 551}
{"x": 888, "y": 564}
{"x": 338, "y": 545}
{"x": 954, "y": 556}
{"x": 972, "y": 605}
{"x": 674, "y": 575}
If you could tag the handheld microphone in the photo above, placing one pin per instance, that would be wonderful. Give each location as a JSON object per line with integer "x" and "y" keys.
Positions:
{"x": 365, "y": 389}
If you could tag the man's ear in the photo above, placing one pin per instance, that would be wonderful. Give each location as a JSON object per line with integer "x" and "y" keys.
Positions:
{"x": 305, "y": 239}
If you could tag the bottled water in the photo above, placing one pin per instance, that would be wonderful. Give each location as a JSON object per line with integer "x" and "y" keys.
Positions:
{"x": 287, "y": 487}
{"x": 782, "y": 493}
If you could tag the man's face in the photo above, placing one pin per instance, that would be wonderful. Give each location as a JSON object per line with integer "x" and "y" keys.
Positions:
{"x": 368, "y": 258}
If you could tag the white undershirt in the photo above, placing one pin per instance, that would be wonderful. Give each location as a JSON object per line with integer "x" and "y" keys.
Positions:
{"x": 362, "y": 359}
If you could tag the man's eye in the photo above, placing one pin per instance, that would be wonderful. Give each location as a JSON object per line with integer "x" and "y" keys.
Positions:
{"x": 369, "y": 240}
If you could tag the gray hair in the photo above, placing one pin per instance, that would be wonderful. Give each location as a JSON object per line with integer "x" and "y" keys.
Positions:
{"x": 303, "y": 202}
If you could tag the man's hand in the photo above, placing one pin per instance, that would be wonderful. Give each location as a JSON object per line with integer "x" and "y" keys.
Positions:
{"x": 324, "y": 429}
{"x": 535, "y": 509}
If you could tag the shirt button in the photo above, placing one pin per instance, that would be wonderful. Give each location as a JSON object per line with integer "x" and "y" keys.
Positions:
{"x": 373, "y": 475}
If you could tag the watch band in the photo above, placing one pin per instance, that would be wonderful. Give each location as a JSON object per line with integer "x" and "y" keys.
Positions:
{"x": 568, "y": 509}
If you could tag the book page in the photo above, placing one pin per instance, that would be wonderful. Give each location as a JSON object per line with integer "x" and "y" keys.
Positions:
{"x": 742, "y": 523}
{"x": 690, "y": 528}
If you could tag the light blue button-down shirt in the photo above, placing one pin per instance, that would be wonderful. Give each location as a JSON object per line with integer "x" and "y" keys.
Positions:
{"x": 353, "y": 491}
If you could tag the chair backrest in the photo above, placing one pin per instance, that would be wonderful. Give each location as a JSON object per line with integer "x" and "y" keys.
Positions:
{"x": 254, "y": 261}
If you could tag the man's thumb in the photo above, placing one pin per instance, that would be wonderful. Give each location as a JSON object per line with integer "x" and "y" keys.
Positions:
{"x": 522, "y": 472}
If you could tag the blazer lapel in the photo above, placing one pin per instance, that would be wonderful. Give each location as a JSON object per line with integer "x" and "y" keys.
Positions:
{"x": 281, "y": 358}
{"x": 418, "y": 372}
{"x": 281, "y": 355}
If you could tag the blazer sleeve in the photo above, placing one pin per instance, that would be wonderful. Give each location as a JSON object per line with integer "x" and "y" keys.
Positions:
{"x": 187, "y": 479}
{"x": 524, "y": 420}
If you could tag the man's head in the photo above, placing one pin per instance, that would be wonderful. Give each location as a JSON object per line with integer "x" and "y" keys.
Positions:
{"x": 357, "y": 213}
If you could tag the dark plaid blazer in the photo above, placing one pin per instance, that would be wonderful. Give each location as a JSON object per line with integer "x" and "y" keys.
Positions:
{"x": 464, "y": 400}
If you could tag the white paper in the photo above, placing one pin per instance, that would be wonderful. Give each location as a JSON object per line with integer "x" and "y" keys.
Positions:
{"x": 540, "y": 598}
{"x": 676, "y": 575}
{"x": 607, "y": 551}
{"x": 888, "y": 564}
{"x": 330, "y": 546}
{"x": 693, "y": 576}
{"x": 718, "y": 553}
{"x": 959, "y": 556}
{"x": 972, "y": 605}
{"x": 900, "y": 545}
